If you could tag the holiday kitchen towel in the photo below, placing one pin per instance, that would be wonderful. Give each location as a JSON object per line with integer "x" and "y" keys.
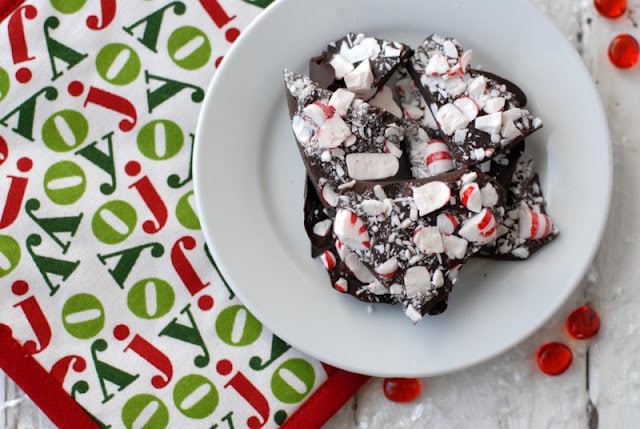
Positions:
{"x": 112, "y": 311}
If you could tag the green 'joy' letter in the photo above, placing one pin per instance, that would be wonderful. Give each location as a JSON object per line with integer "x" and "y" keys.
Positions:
{"x": 65, "y": 182}
{"x": 152, "y": 24}
{"x": 65, "y": 130}
{"x": 189, "y": 48}
{"x": 237, "y": 327}
{"x": 5, "y": 83}
{"x": 59, "y": 50}
{"x": 83, "y": 316}
{"x": 9, "y": 254}
{"x": 151, "y": 298}
{"x": 195, "y": 396}
{"x": 118, "y": 64}
{"x": 293, "y": 380}
{"x": 148, "y": 407}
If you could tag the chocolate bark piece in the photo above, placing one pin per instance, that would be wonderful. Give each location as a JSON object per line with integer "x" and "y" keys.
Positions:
{"x": 346, "y": 272}
{"x": 503, "y": 165}
{"x": 318, "y": 224}
{"x": 343, "y": 139}
{"x": 359, "y": 63}
{"x": 527, "y": 226}
{"x": 429, "y": 154}
{"x": 478, "y": 115}
{"x": 414, "y": 235}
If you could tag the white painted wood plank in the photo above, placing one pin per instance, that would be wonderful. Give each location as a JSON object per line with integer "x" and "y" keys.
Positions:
{"x": 508, "y": 391}
{"x": 614, "y": 355}
{"x": 17, "y": 410}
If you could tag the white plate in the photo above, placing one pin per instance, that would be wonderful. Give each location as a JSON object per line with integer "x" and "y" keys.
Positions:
{"x": 249, "y": 185}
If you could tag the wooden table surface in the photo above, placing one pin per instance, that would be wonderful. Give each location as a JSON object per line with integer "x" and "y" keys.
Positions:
{"x": 601, "y": 389}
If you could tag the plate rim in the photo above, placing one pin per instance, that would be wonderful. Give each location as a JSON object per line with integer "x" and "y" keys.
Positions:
{"x": 199, "y": 196}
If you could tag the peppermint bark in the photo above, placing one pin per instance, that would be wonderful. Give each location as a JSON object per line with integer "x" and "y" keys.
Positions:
{"x": 359, "y": 63}
{"x": 527, "y": 227}
{"x": 478, "y": 115}
{"x": 414, "y": 235}
{"x": 342, "y": 138}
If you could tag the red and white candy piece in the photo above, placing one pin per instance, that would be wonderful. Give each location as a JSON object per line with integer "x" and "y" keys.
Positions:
{"x": 438, "y": 157}
{"x": 438, "y": 65}
{"x": 358, "y": 269}
{"x": 450, "y": 49}
{"x": 388, "y": 268}
{"x": 454, "y": 247}
{"x": 328, "y": 260}
{"x": 302, "y": 129}
{"x": 431, "y": 196}
{"x": 477, "y": 88}
{"x": 490, "y": 124}
{"x": 371, "y": 166}
{"x": 322, "y": 228}
{"x": 341, "y": 285}
{"x": 450, "y": 119}
{"x": 341, "y": 65}
{"x": 533, "y": 225}
{"x": 384, "y": 100}
{"x": 333, "y": 132}
{"x": 465, "y": 60}
{"x": 416, "y": 280}
{"x": 374, "y": 207}
{"x": 494, "y": 105}
{"x": 428, "y": 240}
{"x": 471, "y": 197}
{"x": 467, "y": 106}
{"x": 489, "y": 195}
{"x": 413, "y": 314}
{"x": 438, "y": 278}
{"x": 350, "y": 230}
{"x": 318, "y": 112}
{"x": 360, "y": 79}
{"x": 392, "y": 148}
{"x": 341, "y": 100}
{"x": 328, "y": 195}
{"x": 481, "y": 228}
{"x": 342, "y": 250}
{"x": 447, "y": 223}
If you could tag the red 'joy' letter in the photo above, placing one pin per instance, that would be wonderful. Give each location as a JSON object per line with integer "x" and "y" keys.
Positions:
{"x": 18, "y": 42}
{"x": 184, "y": 268}
{"x": 108, "y": 8}
{"x": 151, "y": 198}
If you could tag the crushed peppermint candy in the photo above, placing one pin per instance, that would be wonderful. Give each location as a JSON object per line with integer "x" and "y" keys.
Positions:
{"x": 358, "y": 62}
{"x": 413, "y": 167}
{"x": 477, "y": 112}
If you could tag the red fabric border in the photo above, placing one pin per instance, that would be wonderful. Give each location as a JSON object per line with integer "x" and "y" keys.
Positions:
{"x": 65, "y": 412}
{"x": 326, "y": 400}
{"x": 38, "y": 384}
{"x": 8, "y": 6}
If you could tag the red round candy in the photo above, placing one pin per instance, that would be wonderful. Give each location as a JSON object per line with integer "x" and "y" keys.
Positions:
{"x": 624, "y": 51}
{"x": 402, "y": 389}
{"x": 583, "y": 323}
{"x": 610, "y": 8}
{"x": 554, "y": 358}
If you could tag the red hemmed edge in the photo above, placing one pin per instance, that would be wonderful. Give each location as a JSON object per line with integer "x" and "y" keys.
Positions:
{"x": 38, "y": 384}
{"x": 326, "y": 400}
{"x": 8, "y": 6}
